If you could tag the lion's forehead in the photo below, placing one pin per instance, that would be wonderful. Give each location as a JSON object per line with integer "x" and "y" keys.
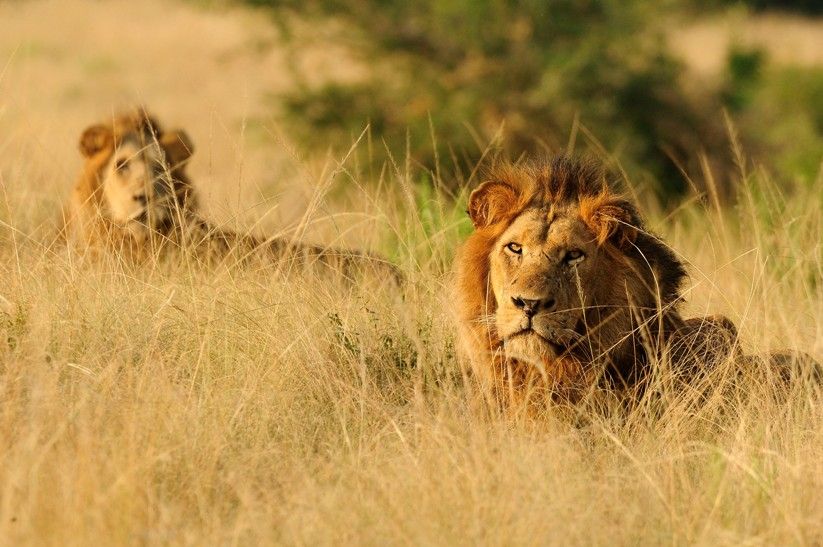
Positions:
{"x": 547, "y": 227}
{"x": 546, "y": 235}
{"x": 135, "y": 147}
{"x": 148, "y": 156}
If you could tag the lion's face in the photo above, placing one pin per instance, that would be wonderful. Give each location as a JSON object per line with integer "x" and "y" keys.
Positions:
{"x": 541, "y": 269}
{"x": 134, "y": 175}
{"x": 137, "y": 190}
{"x": 559, "y": 272}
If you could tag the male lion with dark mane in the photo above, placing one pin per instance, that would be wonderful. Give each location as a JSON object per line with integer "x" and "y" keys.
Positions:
{"x": 563, "y": 289}
{"x": 134, "y": 197}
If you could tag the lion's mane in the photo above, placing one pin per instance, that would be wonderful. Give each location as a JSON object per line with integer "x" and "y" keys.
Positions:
{"x": 642, "y": 284}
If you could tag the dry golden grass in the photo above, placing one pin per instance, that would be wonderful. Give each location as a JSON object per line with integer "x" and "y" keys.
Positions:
{"x": 173, "y": 404}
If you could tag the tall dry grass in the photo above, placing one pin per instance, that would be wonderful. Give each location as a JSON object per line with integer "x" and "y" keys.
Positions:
{"x": 175, "y": 404}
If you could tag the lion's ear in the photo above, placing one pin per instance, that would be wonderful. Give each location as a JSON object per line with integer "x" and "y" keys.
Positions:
{"x": 178, "y": 147}
{"x": 94, "y": 139}
{"x": 615, "y": 220}
{"x": 491, "y": 202}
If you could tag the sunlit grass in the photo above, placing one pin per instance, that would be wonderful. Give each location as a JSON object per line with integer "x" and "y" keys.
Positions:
{"x": 173, "y": 403}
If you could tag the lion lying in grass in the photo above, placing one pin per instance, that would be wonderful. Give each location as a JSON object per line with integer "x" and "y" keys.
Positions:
{"x": 562, "y": 289}
{"x": 134, "y": 198}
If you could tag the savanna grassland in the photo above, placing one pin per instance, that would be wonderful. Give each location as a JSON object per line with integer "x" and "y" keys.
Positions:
{"x": 178, "y": 404}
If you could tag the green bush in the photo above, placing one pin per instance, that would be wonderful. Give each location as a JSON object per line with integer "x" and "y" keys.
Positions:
{"x": 457, "y": 80}
{"x": 464, "y": 69}
{"x": 780, "y": 117}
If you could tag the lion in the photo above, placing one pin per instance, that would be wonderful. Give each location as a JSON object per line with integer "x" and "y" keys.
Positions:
{"x": 562, "y": 289}
{"x": 135, "y": 198}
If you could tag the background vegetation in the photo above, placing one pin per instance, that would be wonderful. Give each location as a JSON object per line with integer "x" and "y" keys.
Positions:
{"x": 456, "y": 76}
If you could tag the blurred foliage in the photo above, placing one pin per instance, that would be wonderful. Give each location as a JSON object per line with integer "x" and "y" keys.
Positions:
{"x": 745, "y": 69}
{"x": 778, "y": 112}
{"x": 450, "y": 74}
{"x": 810, "y": 7}
{"x": 452, "y": 78}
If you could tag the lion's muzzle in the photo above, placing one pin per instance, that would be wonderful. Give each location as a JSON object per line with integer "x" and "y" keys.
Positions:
{"x": 533, "y": 329}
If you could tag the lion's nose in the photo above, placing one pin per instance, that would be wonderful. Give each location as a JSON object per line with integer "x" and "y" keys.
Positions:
{"x": 531, "y": 306}
{"x": 140, "y": 198}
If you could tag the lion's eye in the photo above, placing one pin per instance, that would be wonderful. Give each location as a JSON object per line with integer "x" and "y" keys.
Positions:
{"x": 121, "y": 165}
{"x": 574, "y": 256}
{"x": 515, "y": 248}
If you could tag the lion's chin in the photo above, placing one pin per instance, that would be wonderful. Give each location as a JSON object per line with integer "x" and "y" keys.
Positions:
{"x": 138, "y": 231}
{"x": 142, "y": 223}
{"x": 528, "y": 346}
